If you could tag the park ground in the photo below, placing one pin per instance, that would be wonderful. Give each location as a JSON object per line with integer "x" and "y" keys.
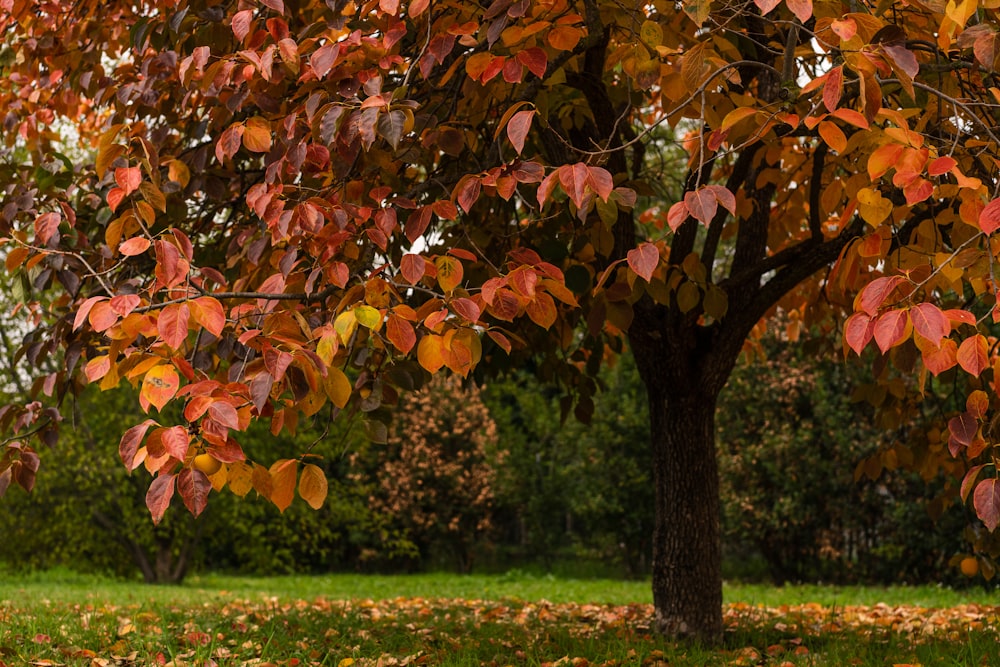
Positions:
{"x": 61, "y": 618}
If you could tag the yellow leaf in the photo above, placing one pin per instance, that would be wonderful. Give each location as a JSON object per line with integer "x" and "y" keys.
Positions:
{"x": 450, "y": 273}
{"x": 345, "y": 325}
{"x": 313, "y": 486}
{"x": 337, "y": 386}
{"x": 368, "y": 317}
{"x": 240, "y": 478}
{"x": 874, "y": 208}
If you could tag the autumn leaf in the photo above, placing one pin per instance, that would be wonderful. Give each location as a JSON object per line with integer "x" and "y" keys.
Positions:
{"x": 313, "y": 485}
{"x": 159, "y": 386}
{"x": 159, "y": 494}
{"x": 644, "y": 260}
{"x": 283, "y": 474}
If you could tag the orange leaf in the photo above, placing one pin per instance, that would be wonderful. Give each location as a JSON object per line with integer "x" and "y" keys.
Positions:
{"x": 973, "y": 355}
{"x": 564, "y": 37}
{"x": 449, "y": 273}
{"x": 941, "y": 359}
{"x": 430, "y": 353}
{"x": 833, "y": 136}
{"x": 208, "y": 312}
{"x": 134, "y": 246}
{"x": 400, "y": 333}
{"x": 313, "y": 486}
{"x": 159, "y": 386}
{"x": 891, "y": 329}
{"x": 883, "y": 158}
{"x": 283, "y": 473}
{"x": 257, "y": 135}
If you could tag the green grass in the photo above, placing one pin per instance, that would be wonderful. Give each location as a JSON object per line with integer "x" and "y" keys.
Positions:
{"x": 473, "y": 620}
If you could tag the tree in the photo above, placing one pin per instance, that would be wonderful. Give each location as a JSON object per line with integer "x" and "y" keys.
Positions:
{"x": 433, "y": 480}
{"x": 292, "y": 204}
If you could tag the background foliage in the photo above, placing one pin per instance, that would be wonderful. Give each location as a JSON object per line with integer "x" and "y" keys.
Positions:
{"x": 497, "y": 479}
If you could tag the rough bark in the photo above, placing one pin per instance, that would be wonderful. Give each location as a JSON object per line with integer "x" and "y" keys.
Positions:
{"x": 682, "y": 389}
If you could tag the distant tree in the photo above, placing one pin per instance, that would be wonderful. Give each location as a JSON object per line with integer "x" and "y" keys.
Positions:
{"x": 431, "y": 485}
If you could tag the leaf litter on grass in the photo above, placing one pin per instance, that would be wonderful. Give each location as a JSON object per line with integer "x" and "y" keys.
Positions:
{"x": 423, "y": 631}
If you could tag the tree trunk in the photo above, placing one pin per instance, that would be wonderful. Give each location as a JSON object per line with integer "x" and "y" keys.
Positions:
{"x": 687, "y": 555}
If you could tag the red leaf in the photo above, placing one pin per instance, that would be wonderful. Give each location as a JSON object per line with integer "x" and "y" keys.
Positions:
{"x": 803, "y": 9}
{"x": 989, "y": 217}
{"x": 876, "y": 292}
{"x": 517, "y": 129}
{"x": 466, "y": 308}
{"x": 130, "y": 442}
{"x": 600, "y": 181}
{"x": 47, "y": 226}
{"x": 260, "y": 390}
{"x": 412, "y": 268}
{"x": 724, "y": 197}
{"x": 962, "y": 430}
{"x": 573, "y": 178}
{"x": 702, "y": 205}
{"x": 128, "y": 179}
{"x": 159, "y": 495}
{"x": 224, "y": 413}
{"x": 241, "y": 24}
{"x": 930, "y": 322}
{"x": 986, "y": 500}
{"x": 115, "y": 197}
{"x": 323, "y": 58}
{"x": 833, "y": 88}
{"x": 176, "y": 441}
{"x": 535, "y": 60}
{"x": 172, "y": 324}
{"x": 545, "y": 187}
{"x": 467, "y": 191}
{"x": 644, "y": 260}
{"x": 123, "y": 304}
{"x": 230, "y": 142}
{"x": 417, "y": 223}
{"x": 891, "y": 329}
{"x": 765, "y": 6}
{"x": 677, "y": 215}
{"x": 858, "y": 331}
{"x": 941, "y": 165}
{"x": 973, "y": 355}
{"x": 193, "y": 485}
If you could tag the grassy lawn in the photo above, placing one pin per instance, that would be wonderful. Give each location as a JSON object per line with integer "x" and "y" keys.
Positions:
{"x": 67, "y": 619}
